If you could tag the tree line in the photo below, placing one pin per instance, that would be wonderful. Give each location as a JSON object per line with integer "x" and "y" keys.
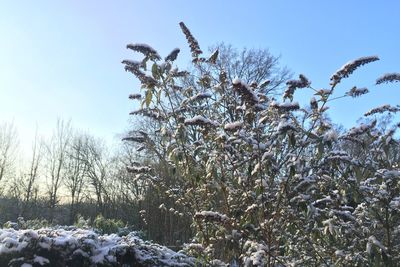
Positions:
{"x": 73, "y": 176}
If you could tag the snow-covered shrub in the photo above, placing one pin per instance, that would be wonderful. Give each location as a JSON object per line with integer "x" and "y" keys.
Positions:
{"x": 21, "y": 223}
{"x": 59, "y": 247}
{"x": 268, "y": 182}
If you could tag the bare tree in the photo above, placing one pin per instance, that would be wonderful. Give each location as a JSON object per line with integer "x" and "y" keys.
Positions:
{"x": 95, "y": 158}
{"x": 8, "y": 147}
{"x": 57, "y": 153}
{"x": 252, "y": 65}
{"x": 76, "y": 170}
{"x": 30, "y": 179}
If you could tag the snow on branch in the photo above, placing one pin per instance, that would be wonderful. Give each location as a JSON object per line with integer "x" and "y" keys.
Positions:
{"x": 285, "y": 126}
{"x": 145, "y": 49}
{"x": 350, "y": 67}
{"x": 143, "y": 78}
{"x": 286, "y": 106}
{"x": 292, "y": 85}
{"x": 211, "y": 216}
{"x": 245, "y": 92}
{"x": 356, "y": 92}
{"x": 388, "y": 77}
{"x": 137, "y": 139}
{"x": 135, "y": 96}
{"x": 194, "y": 45}
{"x": 382, "y": 109}
{"x": 372, "y": 240}
{"x": 213, "y": 58}
{"x": 363, "y": 128}
{"x": 173, "y": 55}
{"x": 233, "y": 126}
{"x": 150, "y": 113}
{"x": 133, "y": 63}
{"x": 200, "y": 121}
{"x": 199, "y": 96}
{"x": 135, "y": 169}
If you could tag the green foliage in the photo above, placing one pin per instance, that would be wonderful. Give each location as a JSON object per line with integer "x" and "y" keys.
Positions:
{"x": 36, "y": 224}
{"x": 107, "y": 226}
{"x": 21, "y": 224}
{"x": 11, "y": 225}
{"x": 81, "y": 222}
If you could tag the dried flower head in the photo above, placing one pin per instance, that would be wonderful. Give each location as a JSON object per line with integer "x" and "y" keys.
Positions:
{"x": 253, "y": 85}
{"x": 173, "y": 55}
{"x": 200, "y": 121}
{"x": 362, "y": 128}
{"x": 197, "y": 97}
{"x": 382, "y": 109}
{"x": 205, "y": 80}
{"x": 211, "y": 216}
{"x": 264, "y": 83}
{"x": 324, "y": 92}
{"x": 246, "y": 93}
{"x": 133, "y": 63}
{"x": 177, "y": 73}
{"x": 286, "y": 106}
{"x": 302, "y": 82}
{"x": 388, "y": 77}
{"x": 213, "y": 58}
{"x": 223, "y": 77}
{"x": 143, "y": 78}
{"x": 137, "y": 139}
{"x": 330, "y": 136}
{"x": 356, "y": 92}
{"x": 314, "y": 104}
{"x": 137, "y": 170}
{"x": 194, "y": 45}
{"x": 135, "y": 96}
{"x": 145, "y": 49}
{"x": 350, "y": 67}
{"x": 150, "y": 113}
{"x": 233, "y": 126}
{"x": 285, "y": 126}
{"x": 352, "y": 139}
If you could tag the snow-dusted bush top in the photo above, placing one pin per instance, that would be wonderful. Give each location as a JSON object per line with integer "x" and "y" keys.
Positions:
{"x": 59, "y": 247}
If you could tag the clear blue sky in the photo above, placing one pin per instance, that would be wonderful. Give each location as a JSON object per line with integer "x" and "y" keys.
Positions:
{"x": 61, "y": 59}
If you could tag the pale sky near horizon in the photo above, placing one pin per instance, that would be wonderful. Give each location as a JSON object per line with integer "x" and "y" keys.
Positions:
{"x": 61, "y": 59}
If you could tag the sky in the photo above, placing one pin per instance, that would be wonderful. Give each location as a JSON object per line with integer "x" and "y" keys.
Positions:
{"x": 62, "y": 59}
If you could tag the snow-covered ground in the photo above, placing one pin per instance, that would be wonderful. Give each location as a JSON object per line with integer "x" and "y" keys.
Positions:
{"x": 79, "y": 247}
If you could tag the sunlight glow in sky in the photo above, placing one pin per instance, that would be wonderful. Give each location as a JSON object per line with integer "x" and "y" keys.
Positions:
{"x": 61, "y": 59}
